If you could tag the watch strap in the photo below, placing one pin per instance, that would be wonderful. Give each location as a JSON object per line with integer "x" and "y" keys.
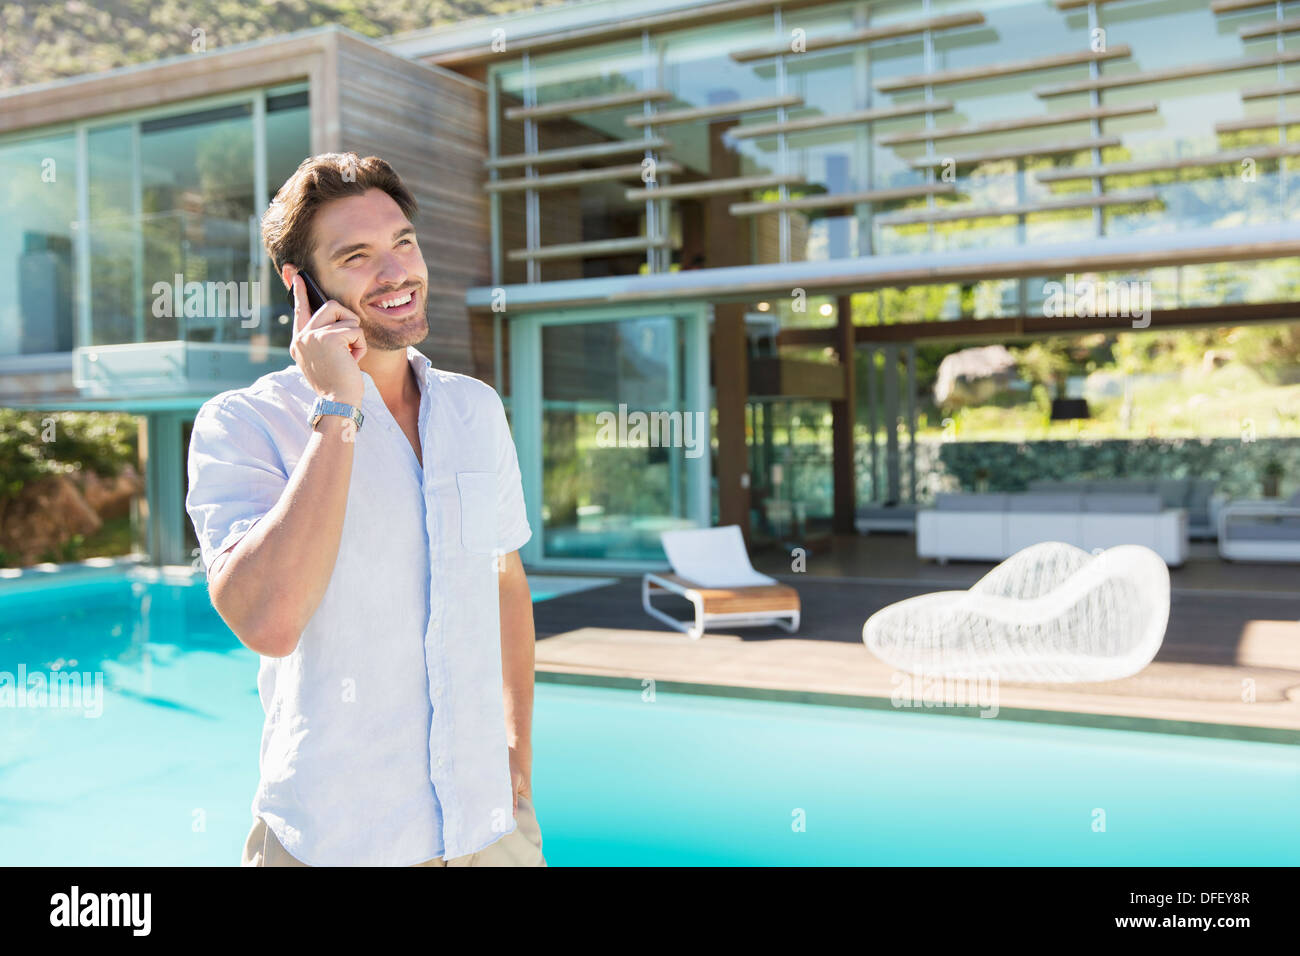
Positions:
{"x": 324, "y": 406}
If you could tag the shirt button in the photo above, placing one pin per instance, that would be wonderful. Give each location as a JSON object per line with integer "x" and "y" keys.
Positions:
{"x": 439, "y": 761}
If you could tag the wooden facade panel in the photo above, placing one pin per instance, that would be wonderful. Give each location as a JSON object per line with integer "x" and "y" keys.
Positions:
{"x": 432, "y": 127}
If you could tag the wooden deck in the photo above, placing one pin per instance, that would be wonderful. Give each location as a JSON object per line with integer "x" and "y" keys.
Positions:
{"x": 1229, "y": 666}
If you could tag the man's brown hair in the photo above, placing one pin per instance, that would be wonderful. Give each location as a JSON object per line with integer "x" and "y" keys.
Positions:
{"x": 286, "y": 224}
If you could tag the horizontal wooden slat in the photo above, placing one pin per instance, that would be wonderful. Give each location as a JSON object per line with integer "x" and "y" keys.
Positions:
{"x": 1162, "y": 165}
{"x": 1029, "y": 122}
{"x": 757, "y": 130}
{"x": 841, "y": 199}
{"x": 1076, "y": 4}
{"x": 1008, "y": 327}
{"x": 1228, "y": 6}
{"x": 589, "y": 250}
{"x": 569, "y": 154}
{"x": 1263, "y": 92}
{"x": 926, "y": 271}
{"x": 1269, "y": 29}
{"x": 1016, "y": 152}
{"x": 854, "y": 37}
{"x": 992, "y": 212}
{"x": 1188, "y": 71}
{"x": 1001, "y": 69}
{"x": 714, "y": 187}
{"x": 587, "y": 104}
{"x": 1256, "y": 122}
{"x": 733, "y": 108}
{"x": 576, "y": 178}
{"x": 624, "y": 27}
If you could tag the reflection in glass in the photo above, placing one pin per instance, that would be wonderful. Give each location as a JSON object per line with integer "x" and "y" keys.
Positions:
{"x": 608, "y": 492}
{"x": 38, "y": 203}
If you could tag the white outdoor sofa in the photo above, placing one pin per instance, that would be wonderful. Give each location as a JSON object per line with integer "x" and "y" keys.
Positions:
{"x": 711, "y": 570}
{"x": 992, "y": 527}
{"x": 1260, "y": 530}
{"x": 1197, "y": 495}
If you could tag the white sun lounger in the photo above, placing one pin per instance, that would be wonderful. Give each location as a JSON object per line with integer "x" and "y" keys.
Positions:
{"x": 1050, "y": 613}
{"x": 711, "y": 569}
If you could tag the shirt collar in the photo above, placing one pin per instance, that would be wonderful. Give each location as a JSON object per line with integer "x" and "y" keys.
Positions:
{"x": 420, "y": 362}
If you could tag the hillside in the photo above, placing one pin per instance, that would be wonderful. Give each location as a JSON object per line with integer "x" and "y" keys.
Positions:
{"x": 44, "y": 40}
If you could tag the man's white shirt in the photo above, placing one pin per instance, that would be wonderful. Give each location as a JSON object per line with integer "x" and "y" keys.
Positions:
{"x": 384, "y": 742}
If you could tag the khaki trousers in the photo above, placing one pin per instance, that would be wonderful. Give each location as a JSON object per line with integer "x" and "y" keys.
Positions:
{"x": 520, "y": 847}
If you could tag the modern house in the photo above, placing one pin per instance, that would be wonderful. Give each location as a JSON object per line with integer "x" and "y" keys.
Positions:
{"x": 702, "y": 210}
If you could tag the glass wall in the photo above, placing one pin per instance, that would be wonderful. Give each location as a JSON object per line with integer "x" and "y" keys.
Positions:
{"x": 1002, "y": 141}
{"x": 612, "y": 481}
{"x": 167, "y": 195}
{"x": 38, "y": 207}
{"x": 610, "y": 415}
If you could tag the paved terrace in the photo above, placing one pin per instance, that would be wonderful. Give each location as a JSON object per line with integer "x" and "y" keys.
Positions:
{"x": 1229, "y": 624}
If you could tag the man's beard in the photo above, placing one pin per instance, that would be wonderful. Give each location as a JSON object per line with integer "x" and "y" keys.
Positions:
{"x": 390, "y": 338}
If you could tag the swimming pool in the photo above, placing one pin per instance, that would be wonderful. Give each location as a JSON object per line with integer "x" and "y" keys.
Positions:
{"x": 165, "y": 774}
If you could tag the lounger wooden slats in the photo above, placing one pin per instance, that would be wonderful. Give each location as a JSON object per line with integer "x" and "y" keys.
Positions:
{"x": 752, "y": 600}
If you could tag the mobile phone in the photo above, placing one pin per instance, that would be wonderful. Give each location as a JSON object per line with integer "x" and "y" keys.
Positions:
{"x": 315, "y": 298}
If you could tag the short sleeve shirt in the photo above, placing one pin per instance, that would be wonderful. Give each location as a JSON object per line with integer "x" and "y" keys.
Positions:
{"x": 384, "y": 741}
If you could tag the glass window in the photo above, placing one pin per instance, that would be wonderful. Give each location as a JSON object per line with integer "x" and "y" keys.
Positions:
{"x": 38, "y": 205}
{"x": 288, "y": 143}
{"x": 614, "y": 472}
{"x": 196, "y": 206}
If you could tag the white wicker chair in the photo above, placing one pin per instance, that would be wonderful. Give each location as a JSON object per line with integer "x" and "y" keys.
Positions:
{"x": 1050, "y": 613}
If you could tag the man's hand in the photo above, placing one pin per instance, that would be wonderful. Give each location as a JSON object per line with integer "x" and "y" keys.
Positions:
{"x": 327, "y": 347}
{"x": 521, "y": 772}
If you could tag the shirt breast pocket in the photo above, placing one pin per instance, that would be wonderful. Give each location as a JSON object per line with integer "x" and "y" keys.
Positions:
{"x": 478, "y": 510}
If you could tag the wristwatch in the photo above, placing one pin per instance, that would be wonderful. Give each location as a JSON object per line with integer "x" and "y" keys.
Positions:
{"x": 325, "y": 407}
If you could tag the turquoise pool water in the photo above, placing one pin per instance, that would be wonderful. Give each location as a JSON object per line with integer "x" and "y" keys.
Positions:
{"x": 165, "y": 774}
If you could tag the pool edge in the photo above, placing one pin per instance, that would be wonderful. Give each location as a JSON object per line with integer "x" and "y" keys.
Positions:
{"x": 1187, "y": 728}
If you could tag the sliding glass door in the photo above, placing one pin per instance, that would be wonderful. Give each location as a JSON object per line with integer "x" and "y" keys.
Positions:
{"x": 611, "y": 418}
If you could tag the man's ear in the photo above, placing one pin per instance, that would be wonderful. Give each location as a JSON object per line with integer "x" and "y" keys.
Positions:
{"x": 287, "y": 272}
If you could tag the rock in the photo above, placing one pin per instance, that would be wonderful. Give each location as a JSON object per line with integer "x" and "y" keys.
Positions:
{"x": 43, "y": 517}
{"x": 110, "y": 497}
{"x": 974, "y": 375}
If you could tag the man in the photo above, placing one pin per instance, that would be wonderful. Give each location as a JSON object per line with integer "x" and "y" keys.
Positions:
{"x": 359, "y": 514}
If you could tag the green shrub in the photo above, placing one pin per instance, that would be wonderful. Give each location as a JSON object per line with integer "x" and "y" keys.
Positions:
{"x": 34, "y": 444}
